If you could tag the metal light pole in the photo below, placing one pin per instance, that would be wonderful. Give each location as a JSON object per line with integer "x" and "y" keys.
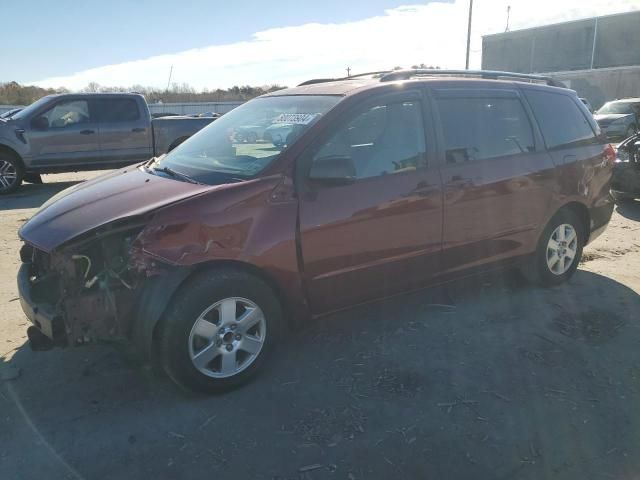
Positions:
{"x": 466, "y": 63}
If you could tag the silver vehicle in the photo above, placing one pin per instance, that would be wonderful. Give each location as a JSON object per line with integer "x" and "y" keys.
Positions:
{"x": 71, "y": 132}
{"x": 619, "y": 118}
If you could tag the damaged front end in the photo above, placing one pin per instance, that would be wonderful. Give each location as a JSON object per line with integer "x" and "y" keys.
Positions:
{"x": 84, "y": 291}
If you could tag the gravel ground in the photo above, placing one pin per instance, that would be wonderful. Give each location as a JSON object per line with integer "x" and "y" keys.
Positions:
{"x": 505, "y": 381}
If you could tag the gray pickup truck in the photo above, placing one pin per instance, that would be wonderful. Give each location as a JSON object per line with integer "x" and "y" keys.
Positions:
{"x": 94, "y": 131}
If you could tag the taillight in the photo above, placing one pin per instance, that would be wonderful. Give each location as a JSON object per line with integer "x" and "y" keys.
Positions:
{"x": 609, "y": 154}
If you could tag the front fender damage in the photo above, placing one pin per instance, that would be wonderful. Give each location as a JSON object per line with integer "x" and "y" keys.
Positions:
{"x": 95, "y": 288}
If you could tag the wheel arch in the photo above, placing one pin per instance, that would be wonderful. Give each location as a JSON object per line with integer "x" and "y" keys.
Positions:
{"x": 160, "y": 291}
{"x": 10, "y": 151}
{"x": 582, "y": 212}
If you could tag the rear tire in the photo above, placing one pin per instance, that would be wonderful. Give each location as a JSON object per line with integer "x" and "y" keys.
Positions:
{"x": 11, "y": 173}
{"x": 559, "y": 250}
{"x": 219, "y": 330}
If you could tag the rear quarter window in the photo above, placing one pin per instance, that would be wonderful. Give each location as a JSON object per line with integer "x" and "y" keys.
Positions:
{"x": 562, "y": 122}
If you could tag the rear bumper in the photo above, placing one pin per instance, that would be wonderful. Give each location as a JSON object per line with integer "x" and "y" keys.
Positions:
{"x": 600, "y": 216}
{"x": 42, "y": 315}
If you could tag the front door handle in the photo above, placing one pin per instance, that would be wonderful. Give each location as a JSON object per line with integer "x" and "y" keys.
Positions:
{"x": 569, "y": 159}
{"x": 139, "y": 129}
{"x": 87, "y": 132}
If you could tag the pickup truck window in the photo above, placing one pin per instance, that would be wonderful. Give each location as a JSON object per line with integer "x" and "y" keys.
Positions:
{"x": 34, "y": 107}
{"x": 115, "y": 110}
{"x": 247, "y": 139}
{"x": 67, "y": 113}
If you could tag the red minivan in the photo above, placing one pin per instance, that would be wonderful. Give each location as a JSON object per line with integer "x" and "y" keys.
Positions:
{"x": 348, "y": 191}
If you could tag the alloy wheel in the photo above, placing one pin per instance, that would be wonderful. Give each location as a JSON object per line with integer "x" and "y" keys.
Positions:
{"x": 8, "y": 175}
{"x": 562, "y": 248}
{"x": 227, "y": 337}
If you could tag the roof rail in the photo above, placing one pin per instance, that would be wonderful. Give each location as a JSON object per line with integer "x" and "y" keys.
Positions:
{"x": 487, "y": 74}
{"x": 324, "y": 80}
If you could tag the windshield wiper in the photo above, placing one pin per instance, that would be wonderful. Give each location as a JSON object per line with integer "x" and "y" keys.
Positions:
{"x": 175, "y": 174}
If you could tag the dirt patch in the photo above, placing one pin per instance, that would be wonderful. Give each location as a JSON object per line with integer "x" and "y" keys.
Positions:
{"x": 590, "y": 256}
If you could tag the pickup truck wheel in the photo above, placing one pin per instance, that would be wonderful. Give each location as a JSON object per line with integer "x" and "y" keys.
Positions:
{"x": 11, "y": 173}
{"x": 218, "y": 331}
{"x": 559, "y": 250}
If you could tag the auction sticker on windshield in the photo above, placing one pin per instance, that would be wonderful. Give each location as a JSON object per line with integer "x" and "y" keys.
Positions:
{"x": 295, "y": 118}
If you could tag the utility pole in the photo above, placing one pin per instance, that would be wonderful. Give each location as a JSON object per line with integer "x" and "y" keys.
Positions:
{"x": 506, "y": 29}
{"x": 348, "y": 71}
{"x": 169, "y": 81}
{"x": 466, "y": 63}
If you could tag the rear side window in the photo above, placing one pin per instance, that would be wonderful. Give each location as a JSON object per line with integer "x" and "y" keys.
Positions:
{"x": 477, "y": 128}
{"x": 118, "y": 110}
{"x": 561, "y": 121}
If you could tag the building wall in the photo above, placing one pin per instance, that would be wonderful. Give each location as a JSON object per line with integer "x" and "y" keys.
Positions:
{"x": 191, "y": 108}
{"x": 601, "y": 85}
{"x": 566, "y": 46}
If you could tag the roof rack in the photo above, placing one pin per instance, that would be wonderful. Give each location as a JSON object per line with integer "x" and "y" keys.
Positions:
{"x": 486, "y": 74}
{"x": 392, "y": 75}
{"x": 358, "y": 75}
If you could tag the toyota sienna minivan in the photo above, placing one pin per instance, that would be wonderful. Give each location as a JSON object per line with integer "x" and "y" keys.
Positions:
{"x": 385, "y": 183}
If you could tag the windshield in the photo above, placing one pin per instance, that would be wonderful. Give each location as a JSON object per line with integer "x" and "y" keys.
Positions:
{"x": 246, "y": 140}
{"x": 27, "y": 111}
{"x": 615, "y": 108}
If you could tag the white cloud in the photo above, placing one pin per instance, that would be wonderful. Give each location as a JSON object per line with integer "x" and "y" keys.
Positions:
{"x": 434, "y": 34}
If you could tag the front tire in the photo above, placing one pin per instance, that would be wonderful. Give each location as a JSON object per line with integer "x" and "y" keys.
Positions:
{"x": 219, "y": 330}
{"x": 559, "y": 250}
{"x": 11, "y": 173}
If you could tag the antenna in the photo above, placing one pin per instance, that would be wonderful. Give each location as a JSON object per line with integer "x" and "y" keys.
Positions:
{"x": 348, "y": 71}
{"x": 169, "y": 81}
{"x": 508, "y": 14}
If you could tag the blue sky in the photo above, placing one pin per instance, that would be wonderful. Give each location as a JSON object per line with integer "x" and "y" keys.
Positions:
{"x": 74, "y": 35}
{"x": 213, "y": 44}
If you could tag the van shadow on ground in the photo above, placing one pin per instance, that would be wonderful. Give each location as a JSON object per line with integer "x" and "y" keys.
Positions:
{"x": 509, "y": 382}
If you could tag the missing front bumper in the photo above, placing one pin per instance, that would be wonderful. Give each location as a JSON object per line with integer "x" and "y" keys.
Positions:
{"x": 41, "y": 314}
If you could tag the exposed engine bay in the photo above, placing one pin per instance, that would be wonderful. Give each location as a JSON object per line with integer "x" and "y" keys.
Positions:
{"x": 88, "y": 287}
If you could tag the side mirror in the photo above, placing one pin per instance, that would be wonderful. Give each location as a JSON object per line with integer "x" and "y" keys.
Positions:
{"x": 40, "y": 123}
{"x": 334, "y": 170}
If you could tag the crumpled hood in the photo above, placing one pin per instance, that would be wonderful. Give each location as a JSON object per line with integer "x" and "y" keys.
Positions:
{"x": 606, "y": 119}
{"x": 115, "y": 196}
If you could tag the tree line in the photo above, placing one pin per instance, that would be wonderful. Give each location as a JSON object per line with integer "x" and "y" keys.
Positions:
{"x": 12, "y": 93}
